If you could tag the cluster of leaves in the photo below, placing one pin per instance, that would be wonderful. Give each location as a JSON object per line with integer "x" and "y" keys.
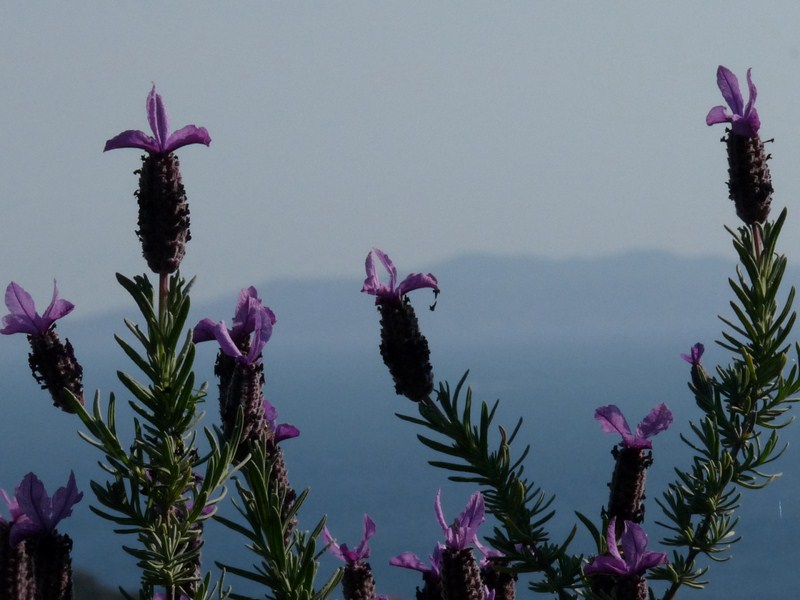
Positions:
{"x": 743, "y": 408}
{"x": 155, "y": 492}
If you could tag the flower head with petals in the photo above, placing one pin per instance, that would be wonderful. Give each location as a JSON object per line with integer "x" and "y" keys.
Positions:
{"x": 634, "y": 560}
{"x": 251, "y": 316}
{"x": 38, "y": 513}
{"x": 743, "y": 118}
{"x": 465, "y": 527}
{"x": 162, "y": 141}
{"x": 23, "y": 317}
{"x": 612, "y": 420}
{"x": 281, "y": 431}
{"x": 343, "y": 553}
{"x": 392, "y": 292}
{"x": 695, "y": 354}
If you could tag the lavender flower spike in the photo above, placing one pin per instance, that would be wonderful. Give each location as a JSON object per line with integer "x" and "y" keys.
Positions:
{"x": 464, "y": 529}
{"x": 42, "y": 514}
{"x": 392, "y": 292}
{"x": 162, "y": 142}
{"x": 743, "y": 119}
{"x": 635, "y": 558}
{"x": 612, "y": 420}
{"x": 23, "y": 317}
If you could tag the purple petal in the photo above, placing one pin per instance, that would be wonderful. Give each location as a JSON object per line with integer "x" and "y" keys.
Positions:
{"x": 417, "y": 281}
{"x": 63, "y": 501}
{"x": 752, "y": 99}
{"x": 657, "y": 421}
{"x": 437, "y": 508}
{"x": 284, "y": 431}
{"x": 158, "y": 119}
{"x": 729, "y": 86}
{"x": 132, "y": 139}
{"x": 225, "y": 342}
{"x": 611, "y": 420}
{"x": 372, "y": 284}
{"x": 634, "y": 546}
{"x": 190, "y": 134}
{"x": 58, "y": 307}
{"x": 23, "y": 529}
{"x": 34, "y": 501}
{"x": 389, "y": 266}
{"x": 204, "y": 331}
{"x": 243, "y": 316}
{"x": 718, "y": 114}
{"x": 469, "y": 521}
{"x": 409, "y": 560}
{"x": 333, "y": 547}
{"x": 606, "y": 565}
{"x": 23, "y": 317}
{"x": 362, "y": 552}
{"x": 611, "y": 538}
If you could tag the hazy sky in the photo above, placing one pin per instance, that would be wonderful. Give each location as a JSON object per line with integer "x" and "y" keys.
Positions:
{"x": 429, "y": 129}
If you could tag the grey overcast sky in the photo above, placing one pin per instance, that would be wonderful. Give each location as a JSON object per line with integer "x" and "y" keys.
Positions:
{"x": 428, "y": 129}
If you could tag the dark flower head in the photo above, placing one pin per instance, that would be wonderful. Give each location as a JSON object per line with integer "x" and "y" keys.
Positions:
{"x": 695, "y": 354}
{"x": 35, "y": 513}
{"x": 634, "y": 560}
{"x": 391, "y": 292}
{"x": 613, "y": 421}
{"x": 162, "y": 142}
{"x": 23, "y": 317}
{"x": 743, "y": 119}
{"x": 343, "y": 553}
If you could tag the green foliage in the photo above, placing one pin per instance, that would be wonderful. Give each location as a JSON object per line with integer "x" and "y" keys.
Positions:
{"x": 288, "y": 558}
{"x": 744, "y": 406}
{"x": 154, "y": 492}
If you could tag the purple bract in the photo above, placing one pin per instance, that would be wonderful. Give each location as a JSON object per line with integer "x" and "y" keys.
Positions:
{"x": 282, "y": 431}
{"x": 35, "y": 512}
{"x": 635, "y": 558}
{"x": 465, "y": 527}
{"x": 343, "y": 552}
{"x": 612, "y": 420}
{"x": 743, "y": 119}
{"x": 695, "y": 354}
{"x": 162, "y": 142}
{"x": 392, "y": 292}
{"x": 23, "y": 317}
{"x": 409, "y": 560}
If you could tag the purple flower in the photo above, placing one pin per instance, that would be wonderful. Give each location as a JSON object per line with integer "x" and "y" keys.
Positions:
{"x": 393, "y": 292}
{"x": 162, "y": 141}
{"x": 465, "y": 527}
{"x": 612, "y": 420}
{"x": 282, "y": 431}
{"x": 23, "y": 317}
{"x": 343, "y": 552}
{"x": 695, "y": 353}
{"x": 743, "y": 119}
{"x": 251, "y": 316}
{"x": 409, "y": 560}
{"x": 163, "y": 596}
{"x": 635, "y": 558}
{"x": 36, "y": 514}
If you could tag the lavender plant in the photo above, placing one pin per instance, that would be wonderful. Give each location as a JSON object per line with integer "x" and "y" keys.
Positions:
{"x": 161, "y": 488}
